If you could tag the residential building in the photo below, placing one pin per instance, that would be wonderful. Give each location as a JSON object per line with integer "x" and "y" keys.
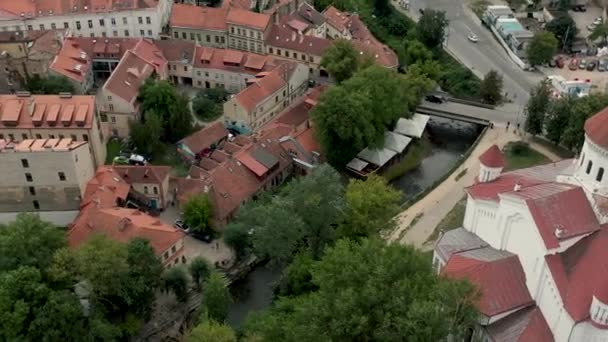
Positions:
{"x": 152, "y": 181}
{"x": 247, "y": 30}
{"x": 26, "y": 53}
{"x": 75, "y": 64}
{"x": 266, "y": 96}
{"x": 204, "y": 25}
{"x": 105, "y": 53}
{"x": 24, "y": 116}
{"x": 534, "y": 240}
{"x": 229, "y": 69}
{"x": 337, "y": 23}
{"x": 103, "y": 212}
{"x": 180, "y": 57}
{"x": 112, "y": 18}
{"x": 562, "y": 87}
{"x": 200, "y": 143}
{"x": 44, "y": 176}
{"x": 306, "y": 20}
{"x": 117, "y": 99}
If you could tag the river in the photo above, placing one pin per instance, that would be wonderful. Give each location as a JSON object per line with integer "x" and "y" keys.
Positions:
{"x": 449, "y": 140}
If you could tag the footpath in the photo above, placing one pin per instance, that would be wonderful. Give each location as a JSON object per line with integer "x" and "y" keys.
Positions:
{"x": 417, "y": 223}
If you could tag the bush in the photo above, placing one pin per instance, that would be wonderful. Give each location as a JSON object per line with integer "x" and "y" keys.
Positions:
{"x": 519, "y": 148}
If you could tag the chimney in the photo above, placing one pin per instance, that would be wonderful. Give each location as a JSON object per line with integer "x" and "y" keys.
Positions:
{"x": 517, "y": 187}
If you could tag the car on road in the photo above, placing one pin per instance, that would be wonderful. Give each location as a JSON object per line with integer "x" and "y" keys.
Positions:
{"x": 573, "y": 64}
{"x": 181, "y": 225}
{"x": 579, "y": 8}
{"x": 472, "y": 37}
{"x": 602, "y": 65}
{"x": 591, "y": 65}
{"x": 582, "y": 64}
{"x": 434, "y": 98}
{"x": 559, "y": 62}
{"x": 598, "y": 21}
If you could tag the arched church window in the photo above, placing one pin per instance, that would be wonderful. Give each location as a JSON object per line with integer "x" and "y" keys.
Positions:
{"x": 589, "y": 166}
{"x": 600, "y": 174}
{"x": 582, "y": 159}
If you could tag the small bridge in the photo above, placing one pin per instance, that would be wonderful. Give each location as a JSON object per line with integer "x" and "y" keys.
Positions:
{"x": 451, "y": 115}
{"x": 469, "y": 111}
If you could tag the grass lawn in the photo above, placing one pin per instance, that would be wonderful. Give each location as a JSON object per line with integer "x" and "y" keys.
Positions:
{"x": 519, "y": 155}
{"x": 112, "y": 149}
{"x": 452, "y": 220}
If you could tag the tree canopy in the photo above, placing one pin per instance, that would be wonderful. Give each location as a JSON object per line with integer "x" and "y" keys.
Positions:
{"x": 366, "y": 293}
{"x": 564, "y": 29}
{"x": 145, "y": 135}
{"x": 211, "y": 331}
{"x": 536, "y": 108}
{"x": 431, "y": 27}
{"x": 176, "y": 281}
{"x": 341, "y": 60}
{"x": 198, "y": 213}
{"x": 491, "y": 87}
{"x": 600, "y": 31}
{"x": 207, "y": 104}
{"x": 216, "y": 297}
{"x": 49, "y": 85}
{"x": 542, "y": 48}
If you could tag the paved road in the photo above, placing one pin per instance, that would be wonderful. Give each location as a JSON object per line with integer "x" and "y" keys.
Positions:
{"x": 497, "y": 115}
{"x": 483, "y": 56}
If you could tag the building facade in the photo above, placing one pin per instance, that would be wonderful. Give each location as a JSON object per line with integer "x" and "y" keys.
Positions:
{"x": 44, "y": 176}
{"x": 111, "y": 19}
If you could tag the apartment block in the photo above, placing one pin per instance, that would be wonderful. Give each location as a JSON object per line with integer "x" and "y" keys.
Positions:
{"x": 44, "y": 176}
{"x": 24, "y": 116}
{"x": 112, "y": 18}
{"x": 206, "y": 25}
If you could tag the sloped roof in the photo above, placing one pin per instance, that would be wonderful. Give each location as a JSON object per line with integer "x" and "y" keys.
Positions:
{"x": 282, "y": 36}
{"x": 376, "y": 156}
{"x": 505, "y": 183}
{"x": 498, "y": 276}
{"x": 132, "y": 71}
{"x": 248, "y": 18}
{"x": 413, "y": 127}
{"x": 197, "y": 17}
{"x": 335, "y": 18}
{"x": 456, "y": 241}
{"x": 205, "y": 137}
{"x": 492, "y": 157}
{"x": 396, "y": 142}
{"x": 525, "y": 325}
{"x": 596, "y": 128}
{"x": 143, "y": 173}
{"x": 265, "y": 87}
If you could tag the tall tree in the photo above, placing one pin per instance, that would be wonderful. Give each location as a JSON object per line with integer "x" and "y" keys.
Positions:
{"x": 180, "y": 120}
{"x": 564, "y": 29}
{"x": 415, "y": 52}
{"x": 237, "y": 235}
{"x": 366, "y": 293}
{"x": 297, "y": 277}
{"x": 199, "y": 270}
{"x": 176, "y": 281}
{"x": 211, "y": 331}
{"x": 542, "y": 48}
{"x": 600, "y": 31}
{"x": 431, "y": 27}
{"x": 491, "y": 87}
{"x": 573, "y": 136}
{"x": 216, "y": 297}
{"x": 557, "y": 117}
{"x": 341, "y": 60}
{"x": 144, "y": 275}
{"x": 536, "y": 108}
{"x": 382, "y": 8}
{"x": 198, "y": 213}
{"x": 144, "y": 135}
{"x": 371, "y": 206}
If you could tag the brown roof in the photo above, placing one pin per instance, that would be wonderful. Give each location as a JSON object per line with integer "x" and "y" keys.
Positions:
{"x": 105, "y": 189}
{"x": 12, "y": 9}
{"x": 71, "y": 61}
{"x": 335, "y": 18}
{"x": 31, "y": 111}
{"x": 205, "y": 137}
{"x": 176, "y": 50}
{"x": 265, "y": 86}
{"x": 282, "y": 36}
{"x": 112, "y": 48}
{"x": 196, "y": 17}
{"x": 220, "y": 59}
{"x": 247, "y": 18}
{"x": 596, "y": 128}
{"x": 365, "y": 42}
{"x": 492, "y": 157}
{"x": 143, "y": 173}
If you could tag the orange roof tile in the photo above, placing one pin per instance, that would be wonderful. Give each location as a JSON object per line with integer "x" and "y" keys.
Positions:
{"x": 196, "y": 17}
{"x": 250, "y": 63}
{"x": 43, "y": 110}
{"x": 247, "y": 18}
{"x": 71, "y": 61}
{"x": 284, "y": 37}
{"x": 142, "y": 173}
{"x": 47, "y": 8}
{"x": 265, "y": 87}
{"x": 131, "y": 72}
{"x": 335, "y": 18}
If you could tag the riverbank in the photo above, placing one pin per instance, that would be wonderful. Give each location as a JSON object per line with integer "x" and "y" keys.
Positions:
{"x": 418, "y": 150}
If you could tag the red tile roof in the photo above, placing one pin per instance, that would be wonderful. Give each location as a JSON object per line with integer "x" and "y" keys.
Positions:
{"x": 365, "y": 42}
{"x": 335, "y": 18}
{"x": 42, "y": 111}
{"x": 596, "y": 128}
{"x": 220, "y": 59}
{"x": 177, "y": 50}
{"x": 48, "y": 8}
{"x": 492, "y": 157}
{"x": 105, "y": 189}
{"x": 197, "y": 17}
{"x": 500, "y": 279}
{"x": 281, "y": 36}
{"x": 143, "y": 173}
{"x": 112, "y": 48}
{"x": 204, "y": 138}
{"x": 123, "y": 224}
{"x": 526, "y": 325}
{"x": 581, "y": 272}
{"x": 243, "y": 17}
{"x": 558, "y": 207}
{"x": 505, "y": 183}
{"x": 265, "y": 86}
{"x": 71, "y": 62}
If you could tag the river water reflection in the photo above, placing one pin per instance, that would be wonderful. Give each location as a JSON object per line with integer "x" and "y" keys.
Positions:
{"x": 449, "y": 139}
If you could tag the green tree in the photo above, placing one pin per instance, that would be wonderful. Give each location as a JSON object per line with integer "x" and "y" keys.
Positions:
{"x": 216, "y": 297}
{"x": 341, "y": 60}
{"x": 143, "y": 278}
{"x": 564, "y": 29}
{"x": 237, "y": 235}
{"x": 429, "y": 69}
{"x": 537, "y": 105}
{"x": 49, "y": 85}
{"x": 144, "y": 135}
{"x": 416, "y": 52}
{"x": 557, "y": 117}
{"x": 542, "y": 48}
{"x": 199, "y": 270}
{"x": 573, "y": 136}
{"x": 371, "y": 207}
{"x": 205, "y": 107}
{"x": 211, "y": 331}
{"x": 382, "y": 8}
{"x": 180, "y": 120}
{"x": 29, "y": 241}
{"x": 176, "y": 281}
{"x": 297, "y": 277}
{"x": 491, "y": 87}
{"x": 431, "y": 27}
{"x": 367, "y": 293}
{"x": 600, "y": 31}
{"x": 198, "y": 213}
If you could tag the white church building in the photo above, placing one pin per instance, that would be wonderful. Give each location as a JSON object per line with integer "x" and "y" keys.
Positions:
{"x": 535, "y": 242}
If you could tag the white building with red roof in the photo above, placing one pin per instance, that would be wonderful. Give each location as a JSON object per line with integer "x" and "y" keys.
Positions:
{"x": 535, "y": 242}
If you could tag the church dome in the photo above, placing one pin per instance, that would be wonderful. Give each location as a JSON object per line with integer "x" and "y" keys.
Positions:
{"x": 492, "y": 158}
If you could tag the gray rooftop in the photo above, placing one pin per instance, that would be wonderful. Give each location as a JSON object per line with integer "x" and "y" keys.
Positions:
{"x": 456, "y": 241}
{"x": 357, "y": 164}
{"x": 396, "y": 142}
{"x": 413, "y": 127}
{"x": 376, "y": 156}
{"x": 265, "y": 158}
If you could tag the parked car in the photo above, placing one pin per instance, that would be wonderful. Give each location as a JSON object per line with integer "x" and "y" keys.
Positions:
{"x": 591, "y": 65}
{"x": 573, "y": 64}
{"x": 434, "y": 98}
{"x": 136, "y": 159}
{"x": 602, "y": 65}
{"x": 559, "y": 62}
{"x": 472, "y": 37}
{"x": 582, "y": 64}
{"x": 552, "y": 63}
{"x": 181, "y": 225}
